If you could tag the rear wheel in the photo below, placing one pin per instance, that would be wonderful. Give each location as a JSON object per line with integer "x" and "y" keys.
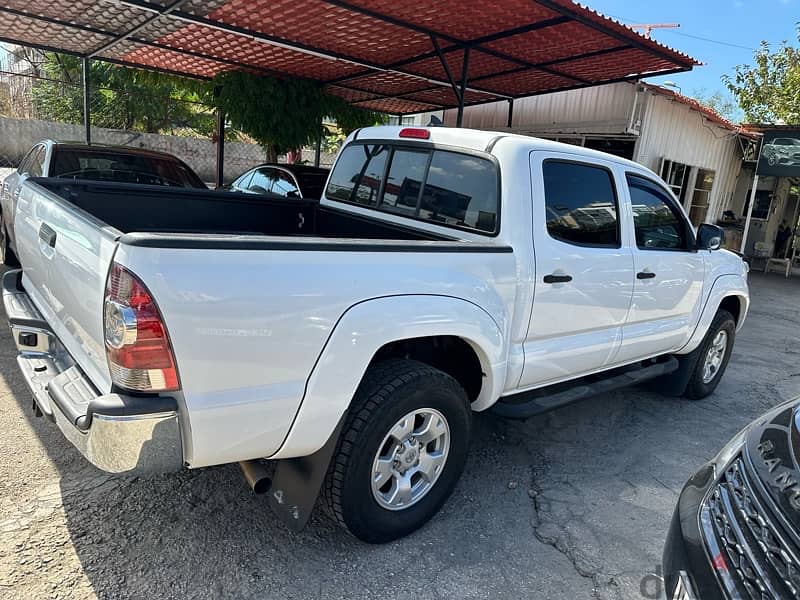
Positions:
{"x": 7, "y": 256}
{"x": 714, "y": 354}
{"x": 401, "y": 451}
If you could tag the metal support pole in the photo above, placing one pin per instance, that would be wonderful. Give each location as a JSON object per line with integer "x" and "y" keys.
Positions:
{"x": 462, "y": 91}
{"x": 749, "y": 213}
{"x": 87, "y": 116}
{"x": 318, "y": 151}
{"x": 510, "y": 112}
{"x": 220, "y": 148}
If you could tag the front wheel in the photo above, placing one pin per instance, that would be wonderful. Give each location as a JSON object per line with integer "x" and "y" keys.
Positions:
{"x": 714, "y": 354}
{"x": 401, "y": 452}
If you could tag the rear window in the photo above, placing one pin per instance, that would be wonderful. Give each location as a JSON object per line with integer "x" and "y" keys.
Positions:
{"x": 451, "y": 188}
{"x": 110, "y": 165}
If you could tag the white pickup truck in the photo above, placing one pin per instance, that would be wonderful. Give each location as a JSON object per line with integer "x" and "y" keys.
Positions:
{"x": 348, "y": 341}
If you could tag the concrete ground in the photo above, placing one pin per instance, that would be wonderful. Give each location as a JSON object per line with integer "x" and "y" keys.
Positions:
{"x": 572, "y": 504}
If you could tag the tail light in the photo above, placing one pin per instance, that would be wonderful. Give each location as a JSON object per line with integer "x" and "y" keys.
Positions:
{"x": 415, "y": 133}
{"x": 137, "y": 345}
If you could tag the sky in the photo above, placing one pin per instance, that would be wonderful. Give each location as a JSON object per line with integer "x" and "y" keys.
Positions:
{"x": 737, "y": 27}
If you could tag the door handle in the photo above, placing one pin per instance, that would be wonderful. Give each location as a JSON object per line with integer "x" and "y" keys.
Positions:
{"x": 645, "y": 275}
{"x": 48, "y": 235}
{"x": 552, "y": 278}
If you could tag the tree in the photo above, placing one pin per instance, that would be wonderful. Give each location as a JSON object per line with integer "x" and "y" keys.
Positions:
{"x": 769, "y": 90}
{"x": 281, "y": 115}
{"x": 723, "y": 104}
{"x": 119, "y": 98}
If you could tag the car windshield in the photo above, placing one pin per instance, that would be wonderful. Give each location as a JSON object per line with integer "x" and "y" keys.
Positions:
{"x": 312, "y": 183}
{"x": 114, "y": 165}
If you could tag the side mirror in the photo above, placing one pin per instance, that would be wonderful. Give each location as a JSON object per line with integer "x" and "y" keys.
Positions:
{"x": 710, "y": 237}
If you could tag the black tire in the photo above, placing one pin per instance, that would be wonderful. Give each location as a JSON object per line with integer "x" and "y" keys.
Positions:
{"x": 389, "y": 391}
{"x": 7, "y": 256}
{"x": 697, "y": 389}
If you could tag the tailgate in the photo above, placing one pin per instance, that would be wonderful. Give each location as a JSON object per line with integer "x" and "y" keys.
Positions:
{"x": 65, "y": 255}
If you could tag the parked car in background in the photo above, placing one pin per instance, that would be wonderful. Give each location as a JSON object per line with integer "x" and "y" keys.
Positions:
{"x": 736, "y": 530}
{"x": 349, "y": 340}
{"x": 282, "y": 181}
{"x": 97, "y": 162}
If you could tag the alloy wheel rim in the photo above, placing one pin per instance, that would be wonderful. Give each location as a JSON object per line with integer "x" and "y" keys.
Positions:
{"x": 715, "y": 356}
{"x": 410, "y": 459}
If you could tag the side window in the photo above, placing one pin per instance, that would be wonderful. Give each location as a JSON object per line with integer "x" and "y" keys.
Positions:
{"x": 36, "y": 167}
{"x": 461, "y": 190}
{"x": 580, "y": 204}
{"x": 284, "y": 185}
{"x": 261, "y": 181}
{"x": 243, "y": 182}
{"x": 658, "y": 222}
{"x": 25, "y": 164}
{"x": 404, "y": 181}
{"x": 358, "y": 174}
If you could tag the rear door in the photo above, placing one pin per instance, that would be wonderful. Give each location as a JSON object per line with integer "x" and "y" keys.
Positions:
{"x": 584, "y": 268}
{"x": 65, "y": 255}
{"x": 669, "y": 273}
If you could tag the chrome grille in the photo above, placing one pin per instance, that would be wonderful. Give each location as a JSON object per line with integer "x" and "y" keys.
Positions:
{"x": 760, "y": 559}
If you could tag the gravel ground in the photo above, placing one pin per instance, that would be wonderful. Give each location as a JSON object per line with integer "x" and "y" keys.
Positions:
{"x": 571, "y": 504}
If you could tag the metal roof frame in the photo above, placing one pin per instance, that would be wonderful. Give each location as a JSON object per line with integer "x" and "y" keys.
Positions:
{"x": 366, "y": 81}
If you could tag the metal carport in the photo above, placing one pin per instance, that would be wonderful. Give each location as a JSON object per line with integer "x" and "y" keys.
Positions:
{"x": 392, "y": 57}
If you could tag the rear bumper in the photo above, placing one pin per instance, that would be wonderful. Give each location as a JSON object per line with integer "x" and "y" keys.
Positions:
{"x": 115, "y": 432}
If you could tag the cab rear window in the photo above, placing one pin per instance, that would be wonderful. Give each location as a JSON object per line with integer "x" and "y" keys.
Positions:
{"x": 450, "y": 188}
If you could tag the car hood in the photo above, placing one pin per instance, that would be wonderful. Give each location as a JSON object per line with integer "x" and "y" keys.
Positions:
{"x": 773, "y": 450}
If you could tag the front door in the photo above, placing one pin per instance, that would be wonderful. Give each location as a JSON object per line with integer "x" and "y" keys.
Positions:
{"x": 669, "y": 274}
{"x": 584, "y": 268}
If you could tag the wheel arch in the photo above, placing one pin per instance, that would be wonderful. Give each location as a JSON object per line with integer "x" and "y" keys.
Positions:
{"x": 729, "y": 292}
{"x": 416, "y": 326}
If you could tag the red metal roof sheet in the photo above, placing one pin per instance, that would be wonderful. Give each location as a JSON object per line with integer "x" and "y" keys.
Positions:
{"x": 397, "y": 57}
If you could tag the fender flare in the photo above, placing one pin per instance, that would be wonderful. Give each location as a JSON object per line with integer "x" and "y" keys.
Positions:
{"x": 723, "y": 287}
{"x": 368, "y": 326}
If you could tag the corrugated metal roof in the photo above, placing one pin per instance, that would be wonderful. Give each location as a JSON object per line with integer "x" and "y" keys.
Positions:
{"x": 399, "y": 57}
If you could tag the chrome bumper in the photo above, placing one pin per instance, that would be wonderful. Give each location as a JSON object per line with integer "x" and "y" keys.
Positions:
{"x": 115, "y": 432}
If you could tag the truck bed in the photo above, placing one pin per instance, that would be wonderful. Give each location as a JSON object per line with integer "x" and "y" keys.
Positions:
{"x": 156, "y": 209}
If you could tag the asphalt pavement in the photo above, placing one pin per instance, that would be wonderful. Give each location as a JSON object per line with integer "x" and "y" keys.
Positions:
{"x": 571, "y": 504}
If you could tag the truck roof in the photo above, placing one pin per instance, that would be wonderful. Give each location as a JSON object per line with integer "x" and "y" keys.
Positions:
{"x": 475, "y": 139}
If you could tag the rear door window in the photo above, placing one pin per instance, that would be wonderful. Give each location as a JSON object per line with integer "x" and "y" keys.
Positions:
{"x": 451, "y": 188}
{"x": 284, "y": 185}
{"x": 261, "y": 183}
{"x": 580, "y": 204}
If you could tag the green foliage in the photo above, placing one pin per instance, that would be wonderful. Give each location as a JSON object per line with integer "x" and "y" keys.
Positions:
{"x": 281, "y": 115}
{"x": 769, "y": 90}
{"x": 120, "y": 98}
{"x": 722, "y": 104}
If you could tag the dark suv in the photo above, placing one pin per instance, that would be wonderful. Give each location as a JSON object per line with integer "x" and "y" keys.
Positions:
{"x": 736, "y": 530}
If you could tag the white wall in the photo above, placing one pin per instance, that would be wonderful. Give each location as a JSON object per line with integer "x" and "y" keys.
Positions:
{"x": 599, "y": 109}
{"x": 677, "y": 132}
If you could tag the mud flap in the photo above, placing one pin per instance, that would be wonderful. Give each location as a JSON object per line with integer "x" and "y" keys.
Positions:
{"x": 674, "y": 385}
{"x": 297, "y": 482}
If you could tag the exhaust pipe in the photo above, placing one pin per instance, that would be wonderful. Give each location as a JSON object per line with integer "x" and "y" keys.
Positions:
{"x": 256, "y": 476}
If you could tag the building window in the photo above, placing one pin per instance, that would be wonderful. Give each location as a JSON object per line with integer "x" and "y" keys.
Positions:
{"x": 701, "y": 196}
{"x": 761, "y": 206}
{"x": 676, "y": 175}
